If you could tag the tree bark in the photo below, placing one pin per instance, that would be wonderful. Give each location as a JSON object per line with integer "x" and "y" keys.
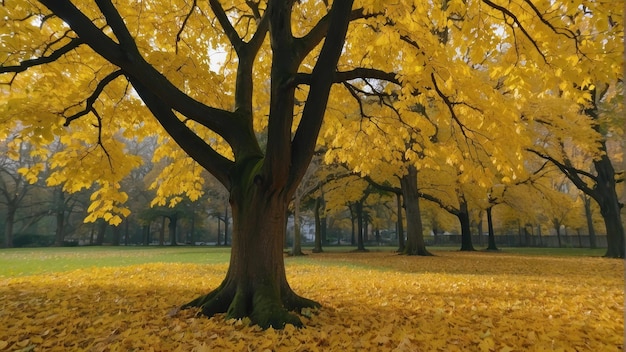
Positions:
{"x": 466, "y": 230}
{"x": 609, "y": 207}
{"x": 399, "y": 224}
{"x": 8, "y": 227}
{"x": 171, "y": 227}
{"x": 360, "y": 245}
{"x": 415, "y": 244}
{"x": 590, "y": 229}
{"x": 492, "y": 238}
{"x": 255, "y": 285}
{"x": 318, "y": 226}
{"x": 296, "y": 249}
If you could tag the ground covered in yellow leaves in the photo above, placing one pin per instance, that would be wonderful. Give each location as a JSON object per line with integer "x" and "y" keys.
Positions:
{"x": 371, "y": 302}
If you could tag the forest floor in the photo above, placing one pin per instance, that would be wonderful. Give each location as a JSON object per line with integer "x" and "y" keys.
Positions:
{"x": 125, "y": 299}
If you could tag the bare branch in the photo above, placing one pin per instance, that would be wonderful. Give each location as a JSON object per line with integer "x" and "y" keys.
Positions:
{"x": 182, "y": 27}
{"x": 92, "y": 98}
{"x": 505, "y": 12}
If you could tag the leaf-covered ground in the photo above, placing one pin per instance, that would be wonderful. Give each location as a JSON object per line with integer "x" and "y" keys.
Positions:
{"x": 371, "y": 301}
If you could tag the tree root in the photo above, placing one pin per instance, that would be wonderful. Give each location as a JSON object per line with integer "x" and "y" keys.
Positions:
{"x": 262, "y": 306}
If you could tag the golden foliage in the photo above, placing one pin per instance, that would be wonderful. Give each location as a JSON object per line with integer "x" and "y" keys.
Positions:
{"x": 375, "y": 301}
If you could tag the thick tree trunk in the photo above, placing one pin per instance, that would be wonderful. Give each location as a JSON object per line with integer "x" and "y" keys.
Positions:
{"x": 492, "y": 238}
{"x": 609, "y": 207}
{"x": 255, "y": 285}
{"x": 466, "y": 230}
{"x": 415, "y": 244}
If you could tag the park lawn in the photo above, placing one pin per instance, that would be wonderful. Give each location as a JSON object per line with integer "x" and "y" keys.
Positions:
{"x": 126, "y": 299}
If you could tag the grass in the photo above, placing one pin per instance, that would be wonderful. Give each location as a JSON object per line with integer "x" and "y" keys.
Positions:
{"x": 31, "y": 261}
{"x": 125, "y": 299}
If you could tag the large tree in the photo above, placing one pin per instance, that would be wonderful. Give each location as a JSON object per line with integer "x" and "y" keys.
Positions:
{"x": 96, "y": 67}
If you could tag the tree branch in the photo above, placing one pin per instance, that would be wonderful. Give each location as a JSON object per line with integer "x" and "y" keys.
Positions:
{"x": 92, "y": 98}
{"x": 507, "y": 12}
{"x": 191, "y": 143}
{"x": 55, "y": 55}
{"x": 303, "y": 143}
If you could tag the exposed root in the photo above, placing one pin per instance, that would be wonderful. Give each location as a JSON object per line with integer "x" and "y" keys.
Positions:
{"x": 262, "y": 305}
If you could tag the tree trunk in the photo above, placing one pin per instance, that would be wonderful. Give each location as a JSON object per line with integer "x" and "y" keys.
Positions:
{"x": 8, "y": 227}
{"x": 115, "y": 240}
{"x": 255, "y": 285}
{"x": 353, "y": 219}
{"x": 226, "y": 221}
{"x": 171, "y": 227}
{"x": 59, "y": 212}
{"x": 466, "y": 230}
{"x": 219, "y": 230}
{"x": 415, "y": 244}
{"x": 146, "y": 234}
{"x": 360, "y": 245}
{"x": 589, "y": 215}
{"x": 162, "y": 232}
{"x": 557, "y": 227}
{"x": 296, "y": 249}
{"x": 609, "y": 207}
{"x": 59, "y": 233}
{"x": 102, "y": 228}
{"x": 399, "y": 224}
{"x": 318, "y": 226}
{"x": 492, "y": 238}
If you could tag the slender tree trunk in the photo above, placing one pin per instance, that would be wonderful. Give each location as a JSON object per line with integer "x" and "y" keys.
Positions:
{"x": 557, "y": 227}
{"x": 126, "y": 233}
{"x": 366, "y": 228}
{"x": 59, "y": 212}
{"x": 59, "y": 233}
{"x": 492, "y": 238}
{"x": 589, "y": 215}
{"x": 115, "y": 240}
{"x": 318, "y": 226}
{"x": 479, "y": 228}
{"x": 399, "y": 224}
{"x": 226, "y": 221}
{"x": 415, "y": 244}
{"x": 219, "y": 230}
{"x": 162, "y": 232}
{"x": 360, "y": 245}
{"x": 8, "y": 227}
{"x": 296, "y": 249}
{"x": 255, "y": 285}
{"x": 171, "y": 227}
{"x": 466, "y": 230}
{"x": 353, "y": 220}
{"x": 146, "y": 235}
{"x": 102, "y": 227}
